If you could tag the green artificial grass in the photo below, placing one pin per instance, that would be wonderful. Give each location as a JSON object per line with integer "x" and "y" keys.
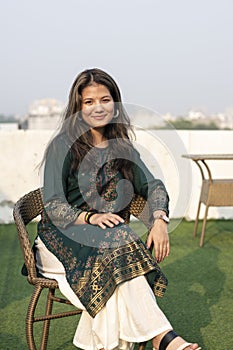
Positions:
{"x": 198, "y": 301}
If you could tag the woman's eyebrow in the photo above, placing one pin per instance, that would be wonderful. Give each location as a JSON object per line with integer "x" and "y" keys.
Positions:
{"x": 91, "y": 98}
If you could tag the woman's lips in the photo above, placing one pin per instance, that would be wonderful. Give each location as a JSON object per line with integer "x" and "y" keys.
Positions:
{"x": 99, "y": 117}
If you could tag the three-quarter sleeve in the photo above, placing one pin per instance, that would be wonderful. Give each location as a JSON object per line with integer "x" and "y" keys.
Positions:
{"x": 150, "y": 188}
{"x": 56, "y": 172}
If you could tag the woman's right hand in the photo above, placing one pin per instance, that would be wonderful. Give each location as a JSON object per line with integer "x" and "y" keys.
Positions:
{"x": 105, "y": 220}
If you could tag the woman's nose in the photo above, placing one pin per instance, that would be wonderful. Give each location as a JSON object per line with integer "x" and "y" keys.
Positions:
{"x": 99, "y": 107}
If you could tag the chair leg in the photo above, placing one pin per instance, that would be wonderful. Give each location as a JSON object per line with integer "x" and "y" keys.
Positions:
{"x": 142, "y": 346}
{"x": 197, "y": 219}
{"x": 48, "y": 311}
{"x": 203, "y": 226}
{"x": 30, "y": 317}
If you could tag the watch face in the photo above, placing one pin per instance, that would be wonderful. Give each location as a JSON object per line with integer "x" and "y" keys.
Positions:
{"x": 165, "y": 218}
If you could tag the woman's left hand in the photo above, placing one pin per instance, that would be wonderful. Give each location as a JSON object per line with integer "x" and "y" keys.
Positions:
{"x": 158, "y": 237}
{"x": 105, "y": 220}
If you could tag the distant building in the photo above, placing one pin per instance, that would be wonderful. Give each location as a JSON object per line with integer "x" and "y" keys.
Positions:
{"x": 197, "y": 116}
{"x": 8, "y": 126}
{"x": 226, "y": 119}
{"x": 221, "y": 120}
{"x": 43, "y": 114}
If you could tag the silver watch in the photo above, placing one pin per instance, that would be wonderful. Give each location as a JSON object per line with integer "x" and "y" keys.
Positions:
{"x": 163, "y": 217}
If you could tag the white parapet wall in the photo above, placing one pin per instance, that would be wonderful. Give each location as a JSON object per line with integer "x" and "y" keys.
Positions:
{"x": 162, "y": 150}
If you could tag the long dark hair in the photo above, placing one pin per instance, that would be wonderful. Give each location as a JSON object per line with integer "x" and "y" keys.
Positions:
{"x": 79, "y": 133}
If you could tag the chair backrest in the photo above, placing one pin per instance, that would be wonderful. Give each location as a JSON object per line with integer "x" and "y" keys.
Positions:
{"x": 139, "y": 208}
{"x": 31, "y": 205}
{"x": 26, "y": 209}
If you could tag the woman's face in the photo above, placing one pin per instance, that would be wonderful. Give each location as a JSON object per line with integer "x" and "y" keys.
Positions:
{"x": 97, "y": 105}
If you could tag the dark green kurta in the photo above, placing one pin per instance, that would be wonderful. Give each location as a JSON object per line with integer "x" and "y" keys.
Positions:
{"x": 97, "y": 260}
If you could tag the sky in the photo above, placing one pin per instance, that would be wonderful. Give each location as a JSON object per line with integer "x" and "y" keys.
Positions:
{"x": 167, "y": 55}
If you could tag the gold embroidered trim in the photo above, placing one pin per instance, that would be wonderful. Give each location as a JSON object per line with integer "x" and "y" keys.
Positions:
{"x": 92, "y": 281}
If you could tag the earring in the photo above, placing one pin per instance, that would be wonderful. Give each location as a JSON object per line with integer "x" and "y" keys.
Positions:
{"x": 79, "y": 118}
{"x": 117, "y": 114}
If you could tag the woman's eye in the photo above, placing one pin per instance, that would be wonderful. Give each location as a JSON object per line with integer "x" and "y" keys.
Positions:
{"x": 88, "y": 102}
{"x": 106, "y": 100}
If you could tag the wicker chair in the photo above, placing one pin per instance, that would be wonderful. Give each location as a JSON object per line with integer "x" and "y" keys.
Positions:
{"x": 25, "y": 210}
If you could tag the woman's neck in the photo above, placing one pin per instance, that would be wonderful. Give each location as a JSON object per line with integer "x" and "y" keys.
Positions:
{"x": 98, "y": 138}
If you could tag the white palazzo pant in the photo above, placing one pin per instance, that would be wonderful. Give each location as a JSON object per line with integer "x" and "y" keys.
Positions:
{"x": 131, "y": 315}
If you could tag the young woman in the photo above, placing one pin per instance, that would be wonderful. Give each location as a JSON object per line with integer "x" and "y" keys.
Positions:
{"x": 91, "y": 172}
